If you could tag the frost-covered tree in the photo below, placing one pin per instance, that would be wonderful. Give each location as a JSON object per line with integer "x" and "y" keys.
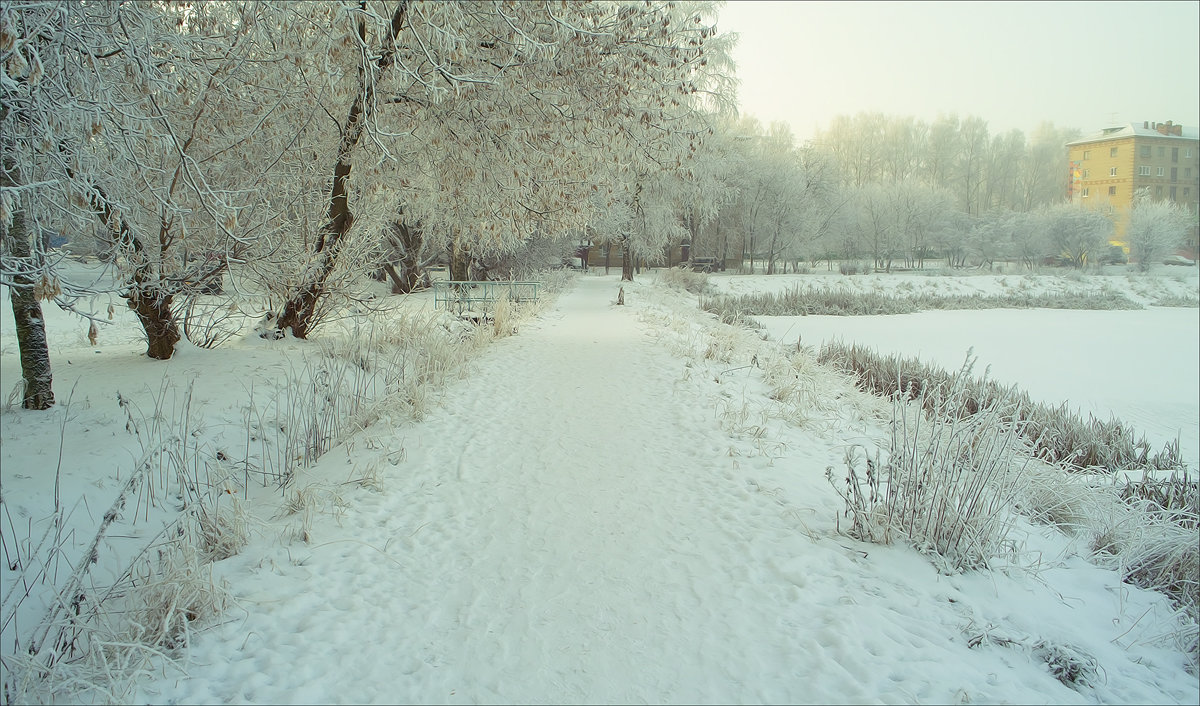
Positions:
{"x": 1076, "y": 233}
{"x": 771, "y": 183}
{"x": 1155, "y": 228}
{"x": 139, "y": 118}
{"x": 491, "y": 122}
{"x": 286, "y": 137}
{"x": 953, "y": 154}
{"x": 969, "y": 164}
{"x": 880, "y": 222}
{"x": 1002, "y": 169}
{"x": 921, "y": 213}
{"x": 1042, "y": 177}
{"x": 407, "y": 252}
{"x": 779, "y": 184}
{"x": 820, "y": 205}
{"x": 712, "y": 189}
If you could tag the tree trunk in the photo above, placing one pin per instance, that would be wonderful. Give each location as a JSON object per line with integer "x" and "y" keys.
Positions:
{"x": 31, "y": 327}
{"x": 410, "y": 259}
{"x": 145, "y": 297}
{"x": 299, "y": 312}
{"x": 401, "y": 284}
{"x": 626, "y": 262}
{"x": 153, "y": 309}
{"x": 460, "y": 263}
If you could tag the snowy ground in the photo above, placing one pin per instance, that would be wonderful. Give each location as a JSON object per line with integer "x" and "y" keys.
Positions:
{"x": 609, "y": 509}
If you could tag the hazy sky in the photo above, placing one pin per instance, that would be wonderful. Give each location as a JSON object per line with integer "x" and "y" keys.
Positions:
{"x": 1015, "y": 64}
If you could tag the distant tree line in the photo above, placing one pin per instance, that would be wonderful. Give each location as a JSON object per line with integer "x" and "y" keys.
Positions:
{"x": 899, "y": 192}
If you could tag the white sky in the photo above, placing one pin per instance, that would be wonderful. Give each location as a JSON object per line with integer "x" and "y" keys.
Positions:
{"x": 1014, "y": 64}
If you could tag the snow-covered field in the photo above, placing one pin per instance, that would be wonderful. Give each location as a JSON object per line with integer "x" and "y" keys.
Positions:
{"x": 610, "y": 507}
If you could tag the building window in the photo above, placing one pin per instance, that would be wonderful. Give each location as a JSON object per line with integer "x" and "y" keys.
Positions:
{"x": 1087, "y": 173}
{"x": 1162, "y": 151}
{"x": 1112, "y": 171}
{"x": 1112, "y": 191}
{"x": 1143, "y": 171}
{"x": 1172, "y": 193}
{"x": 1160, "y": 172}
{"x": 1087, "y": 154}
{"x": 1085, "y": 192}
{"x": 1174, "y": 154}
{"x": 1186, "y": 193}
{"x": 1145, "y": 150}
{"x": 1112, "y": 152}
{"x": 1187, "y": 154}
{"x": 1158, "y": 192}
{"x": 1187, "y": 173}
{"x": 1174, "y": 174}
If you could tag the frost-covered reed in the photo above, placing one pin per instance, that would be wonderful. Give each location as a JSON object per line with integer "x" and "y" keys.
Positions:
{"x": 844, "y": 301}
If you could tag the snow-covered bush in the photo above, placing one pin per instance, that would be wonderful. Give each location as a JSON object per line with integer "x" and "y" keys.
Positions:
{"x": 1155, "y": 229}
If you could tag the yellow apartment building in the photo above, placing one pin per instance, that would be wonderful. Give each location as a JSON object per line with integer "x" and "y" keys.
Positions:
{"x": 1108, "y": 168}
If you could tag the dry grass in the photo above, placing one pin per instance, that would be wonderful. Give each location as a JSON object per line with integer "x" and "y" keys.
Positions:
{"x": 685, "y": 279}
{"x": 1057, "y": 434}
{"x": 1073, "y": 667}
{"x": 946, "y": 485}
{"x": 1145, "y": 529}
{"x": 844, "y": 301}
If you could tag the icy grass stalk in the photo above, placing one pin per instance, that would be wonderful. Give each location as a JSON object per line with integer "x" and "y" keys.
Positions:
{"x": 946, "y": 486}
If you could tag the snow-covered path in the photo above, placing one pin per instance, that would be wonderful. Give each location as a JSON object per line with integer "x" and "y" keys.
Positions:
{"x": 571, "y": 562}
{"x": 571, "y": 526}
{"x": 576, "y": 550}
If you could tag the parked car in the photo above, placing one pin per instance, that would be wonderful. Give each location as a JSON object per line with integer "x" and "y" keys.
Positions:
{"x": 1178, "y": 260}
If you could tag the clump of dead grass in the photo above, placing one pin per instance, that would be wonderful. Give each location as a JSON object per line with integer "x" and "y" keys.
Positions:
{"x": 685, "y": 279}
{"x": 947, "y": 482}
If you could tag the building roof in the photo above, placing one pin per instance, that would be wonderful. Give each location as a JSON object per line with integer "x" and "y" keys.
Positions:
{"x": 1132, "y": 130}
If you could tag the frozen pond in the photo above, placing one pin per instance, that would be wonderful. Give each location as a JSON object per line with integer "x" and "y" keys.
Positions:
{"x": 1141, "y": 366}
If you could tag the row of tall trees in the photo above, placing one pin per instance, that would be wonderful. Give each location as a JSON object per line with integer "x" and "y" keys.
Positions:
{"x": 295, "y": 145}
{"x": 979, "y": 170}
{"x": 897, "y": 192}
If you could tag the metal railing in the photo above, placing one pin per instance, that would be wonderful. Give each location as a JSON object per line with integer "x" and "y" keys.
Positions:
{"x": 459, "y": 296}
